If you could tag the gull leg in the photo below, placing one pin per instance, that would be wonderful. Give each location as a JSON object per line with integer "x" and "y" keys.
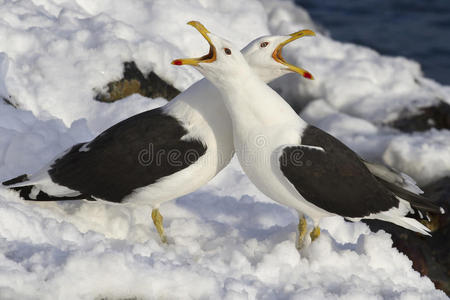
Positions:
{"x": 302, "y": 229}
{"x": 158, "y": 221}
{"x": 315, "y": 233}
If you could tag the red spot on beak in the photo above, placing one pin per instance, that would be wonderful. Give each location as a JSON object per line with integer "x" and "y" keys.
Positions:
{"x": 307, "y": 75}
{"x": 177, "y": 62}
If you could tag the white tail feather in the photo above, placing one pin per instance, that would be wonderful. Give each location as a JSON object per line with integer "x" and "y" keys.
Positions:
{"x": 408, "y": 223}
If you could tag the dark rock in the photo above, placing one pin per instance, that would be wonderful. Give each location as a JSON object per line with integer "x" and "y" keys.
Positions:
{"x": 430, "y": 255}
{"x": 134, "y": 81}
{"x": 437, "y": 116}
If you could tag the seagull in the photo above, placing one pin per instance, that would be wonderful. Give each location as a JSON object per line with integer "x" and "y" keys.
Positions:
{"x": 290, "y": 161}
{"x": 160, "y": 154}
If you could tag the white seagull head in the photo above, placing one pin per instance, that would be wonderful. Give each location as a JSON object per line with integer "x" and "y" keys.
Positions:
{"x": 264, "y": 55}
{"x": 223, "y": 59}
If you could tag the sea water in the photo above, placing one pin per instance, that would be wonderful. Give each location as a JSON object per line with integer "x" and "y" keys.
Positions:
{"x": 417, "y": 29}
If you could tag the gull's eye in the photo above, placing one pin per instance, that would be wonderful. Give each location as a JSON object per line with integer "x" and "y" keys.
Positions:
{"x": 264, "y": 44}
{"x": 227, "y": 51}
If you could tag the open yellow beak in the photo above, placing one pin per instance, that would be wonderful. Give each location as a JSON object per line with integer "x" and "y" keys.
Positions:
{"x": 208, "y": 58}
{"x": 279, "y": 58}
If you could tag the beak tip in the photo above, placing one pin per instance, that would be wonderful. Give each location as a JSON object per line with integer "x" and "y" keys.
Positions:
{"x": 177, "y": 62}
{"x": 308, "y": 76}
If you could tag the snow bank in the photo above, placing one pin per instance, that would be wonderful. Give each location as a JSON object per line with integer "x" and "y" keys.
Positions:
{"x": 61, "y": 52}
{"x": 427, "y": 155}
{"x": 227, "y": 240}
{"x": 220, "y": 247}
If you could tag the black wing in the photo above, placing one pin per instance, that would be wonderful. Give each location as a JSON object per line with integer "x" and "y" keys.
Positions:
{"x": 335, "y": 179}
{"x": 418, "y": 202}
{"x": 131, "y": 154}
{"x": 396, "y": 183}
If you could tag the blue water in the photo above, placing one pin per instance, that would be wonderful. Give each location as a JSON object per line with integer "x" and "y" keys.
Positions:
{"x": 417, "y": 29}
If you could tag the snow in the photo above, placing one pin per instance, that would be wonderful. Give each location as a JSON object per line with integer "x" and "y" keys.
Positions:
{"x": 226, "y": 240}
{"x": 76, "y": 48}
{"x": 220, "y": 247}
{"x": 428, "y": 151}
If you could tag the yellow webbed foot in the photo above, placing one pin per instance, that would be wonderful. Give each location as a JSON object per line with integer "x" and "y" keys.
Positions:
{"x": 302, "y": 230}
{"x": 158, "y": 221}
{"x": 315, "y": 233}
